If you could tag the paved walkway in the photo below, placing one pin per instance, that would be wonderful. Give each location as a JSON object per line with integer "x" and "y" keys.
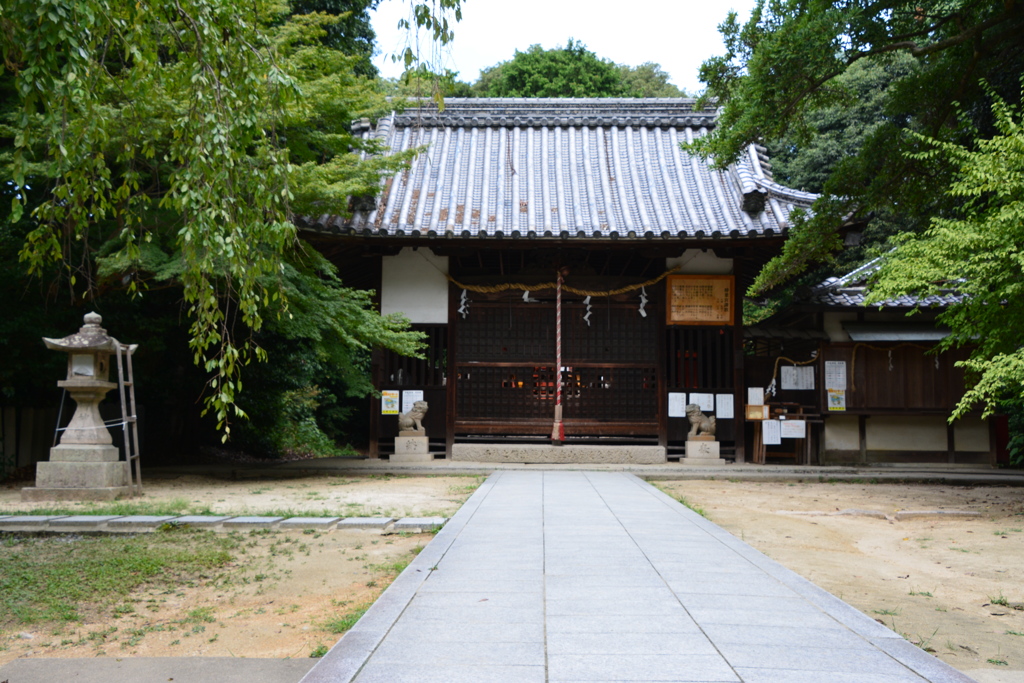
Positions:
{"x": 597, "y": 576}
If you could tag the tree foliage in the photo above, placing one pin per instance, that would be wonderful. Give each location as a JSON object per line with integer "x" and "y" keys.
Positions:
{"x": 647, "y": 80}
{"x": 570, "y": 71}
{"x": 351, "y": 31}
{"x": 979, "y": 252}
{"x": 172, "y": 142}
{"x": 784, "y": 66}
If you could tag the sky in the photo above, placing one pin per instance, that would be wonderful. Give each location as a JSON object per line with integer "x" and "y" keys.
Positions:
{"x": 676, "y": 35}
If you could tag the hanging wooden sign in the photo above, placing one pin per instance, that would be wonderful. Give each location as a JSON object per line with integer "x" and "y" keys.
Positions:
{"x": 701, "y": 300}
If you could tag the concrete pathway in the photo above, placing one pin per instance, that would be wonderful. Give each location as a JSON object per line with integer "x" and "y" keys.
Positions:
{"x": 597, "y": 576}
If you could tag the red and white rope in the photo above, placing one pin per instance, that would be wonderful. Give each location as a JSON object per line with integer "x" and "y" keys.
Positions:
{"x": 558, "y": 430}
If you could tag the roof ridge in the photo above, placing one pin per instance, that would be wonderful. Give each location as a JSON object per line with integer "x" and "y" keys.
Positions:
{"x": 568, "y": 111}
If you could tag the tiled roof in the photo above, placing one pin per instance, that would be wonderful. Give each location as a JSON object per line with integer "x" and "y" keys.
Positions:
{"x": 586, "y": 168}
{"x": 851, "y": 290}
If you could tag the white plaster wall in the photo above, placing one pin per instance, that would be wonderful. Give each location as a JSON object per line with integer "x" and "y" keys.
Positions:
{"x": 701, "y": 262}
{"x": 898, "y": 433}
{"x": 971, "y": 434}
{"x": 414, "y": 284}
{"x": 833, "y": 323}
{"x": 842, "y": 433}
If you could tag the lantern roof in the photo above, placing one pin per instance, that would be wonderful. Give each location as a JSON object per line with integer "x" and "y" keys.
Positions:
{"x": 90, "y": 337}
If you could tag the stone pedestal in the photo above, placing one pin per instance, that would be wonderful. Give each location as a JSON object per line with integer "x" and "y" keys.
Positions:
{"x": 411, "y": 448}
{"x": 80, "y": 472}
{"x": 702, "y": 450}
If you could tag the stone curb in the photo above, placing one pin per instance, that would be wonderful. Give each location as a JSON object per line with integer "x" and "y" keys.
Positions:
{"x": 150, "y": 523}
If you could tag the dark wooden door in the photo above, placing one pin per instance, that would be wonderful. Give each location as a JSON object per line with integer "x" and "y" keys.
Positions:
{"x": 505, "y": 370}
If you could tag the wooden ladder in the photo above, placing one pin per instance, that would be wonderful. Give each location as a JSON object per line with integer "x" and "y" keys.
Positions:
{"x": 129, "y": 419}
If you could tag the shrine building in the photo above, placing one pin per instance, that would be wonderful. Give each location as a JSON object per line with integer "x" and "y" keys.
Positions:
{"x": 515, "y": 204}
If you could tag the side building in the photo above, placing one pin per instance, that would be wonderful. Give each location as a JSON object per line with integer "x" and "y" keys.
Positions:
{"x": 871, "y": 375}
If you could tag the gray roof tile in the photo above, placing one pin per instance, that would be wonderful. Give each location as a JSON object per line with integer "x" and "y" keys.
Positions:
{"x": 851, "y": 290}
{"x": 586, "y": 168}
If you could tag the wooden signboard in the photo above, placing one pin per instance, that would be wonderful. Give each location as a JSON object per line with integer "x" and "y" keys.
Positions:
{"x": 701, "y": 300}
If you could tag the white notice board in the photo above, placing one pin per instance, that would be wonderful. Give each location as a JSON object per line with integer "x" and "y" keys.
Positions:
{"x": 797, "y": 377}
{"x": 724, "y": 408}
{"x": 705, "y": 401}
{"x": 755, "y": 396}
{"x": 793, "y": 429}
{"x": 835, "y": 374}
{"x": 676, "y": 404}
{"x": 410, "y": 396}
{"x": 772, "y": 433}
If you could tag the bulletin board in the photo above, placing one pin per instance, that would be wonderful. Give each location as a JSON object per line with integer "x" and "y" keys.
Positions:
{"x": 701, "y": 300}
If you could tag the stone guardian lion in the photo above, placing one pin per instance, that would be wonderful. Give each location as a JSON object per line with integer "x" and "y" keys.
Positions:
{"x": 699, "y": 422}
{"x": 413, "y": 420}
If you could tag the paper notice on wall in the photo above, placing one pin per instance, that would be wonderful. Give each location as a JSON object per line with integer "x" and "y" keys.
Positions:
{"x": 724, "y": 407}
{"x": 705, "y": 401}
{"x": 837, "y": 399}
{"x": 676, "y": 404}
{"x": 793, "y": 429}
{"x": 389, "y": 403}
{"x": 410, "y": 396}
{"x": 835, "y": 374}
{"x": 772, "y": 433}
{"x": 755, "y": 396}
{"x": 797, "y": 377}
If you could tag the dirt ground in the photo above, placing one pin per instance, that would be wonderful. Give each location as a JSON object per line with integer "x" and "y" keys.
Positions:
{"x": 280, "y": 597}
{"x": 951, "y": 584}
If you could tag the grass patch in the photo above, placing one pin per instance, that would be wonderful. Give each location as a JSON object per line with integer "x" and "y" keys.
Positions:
{"x": 682, "y": 499}
{"x": 53, "y": 578}
{"x": 344, "y": 622}
{"x": 395, "y": 568}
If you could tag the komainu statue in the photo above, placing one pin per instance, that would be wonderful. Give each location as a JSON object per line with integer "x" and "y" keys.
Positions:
{"x": 413, "y": 420}
{"x": 700, "y": 424}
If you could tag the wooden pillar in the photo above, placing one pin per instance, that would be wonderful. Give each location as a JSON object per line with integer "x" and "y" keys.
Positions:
{"x": 375, "y": 377}
{"x": 862, "y": 428}
{"x": 950, "y": 443}
{"x": 451, "y": 373}
{"x": 662, "y": 369}
{"x": 740, "y": 394}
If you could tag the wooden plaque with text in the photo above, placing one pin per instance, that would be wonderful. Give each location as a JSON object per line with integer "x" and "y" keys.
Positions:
{"x": 701, "y": 300}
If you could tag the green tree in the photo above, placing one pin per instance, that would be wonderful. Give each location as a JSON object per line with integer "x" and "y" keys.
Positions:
{"x": 838, "y": 133}
{"x": 172, "y": 142}
{"x": 570, "y": 71}
{"x": 978, "y": 250}
{"x": 647, "y": 80}
{"x": 351, "y": 32}
{"x": 784, "y": 66}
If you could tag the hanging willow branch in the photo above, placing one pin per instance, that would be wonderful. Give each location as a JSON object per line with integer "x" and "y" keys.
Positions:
{"x": 494, "y": 289}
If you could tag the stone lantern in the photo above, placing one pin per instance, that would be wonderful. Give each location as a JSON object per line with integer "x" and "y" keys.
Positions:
{"x": 84, "y": 465}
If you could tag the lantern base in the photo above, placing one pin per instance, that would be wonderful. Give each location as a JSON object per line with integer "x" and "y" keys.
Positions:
{"x": 80, "y": 472}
